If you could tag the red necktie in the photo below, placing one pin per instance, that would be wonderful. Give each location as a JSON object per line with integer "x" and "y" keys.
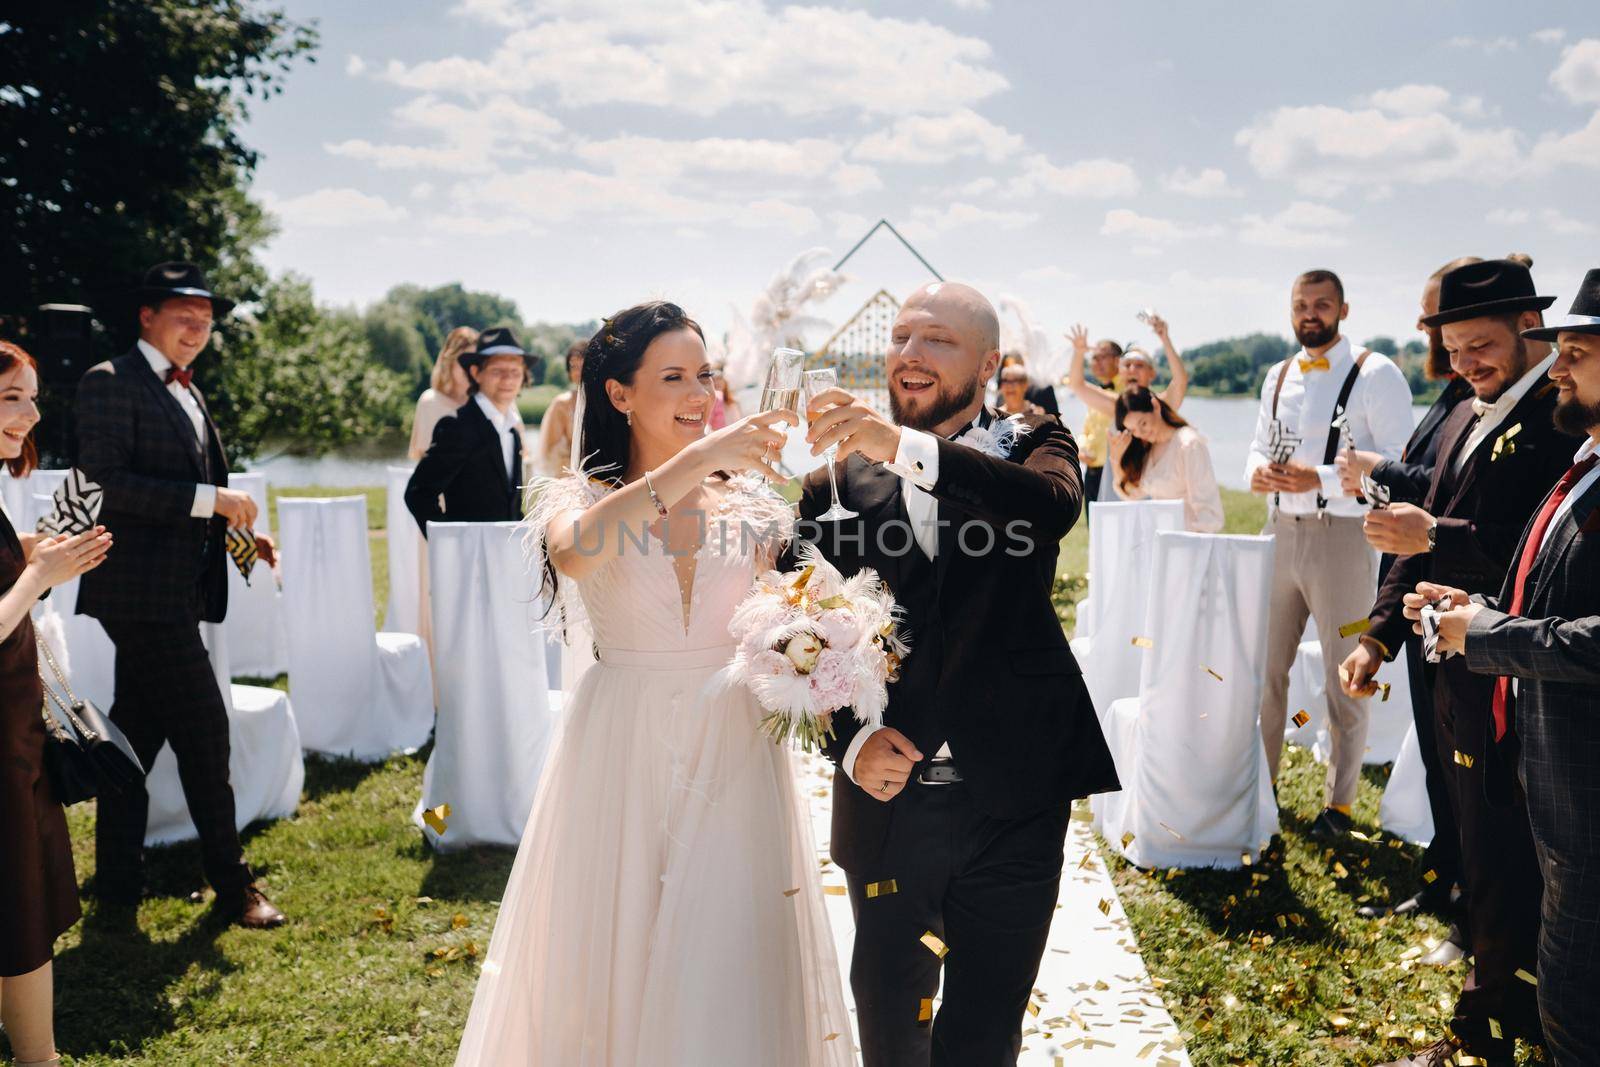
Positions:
{"x": 1519, "y": 588}
{"x": 182, "y": 375}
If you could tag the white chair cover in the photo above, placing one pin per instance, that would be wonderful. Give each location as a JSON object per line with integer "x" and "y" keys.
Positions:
{"x": 497, "y": 716}
{"x": 39, "y": 498}
{"x": 1196, "y": 791}
{"x": 405, "y": 563}
{"x": 16, "y": 498}
{"x": 356, "y": 692}
{"x": 1121, "y": 545}
{"x": 265, "y": 766}
{"x": 1404, "y": 809}
{"x": 256, "y": 638}
{"x": 1387, "y": 722}
{"x": 92, "y": 656}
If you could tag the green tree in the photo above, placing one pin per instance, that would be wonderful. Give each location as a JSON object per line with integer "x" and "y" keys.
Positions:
{"x": 1385, "y": 345}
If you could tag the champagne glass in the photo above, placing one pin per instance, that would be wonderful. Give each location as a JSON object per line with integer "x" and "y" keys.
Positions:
{"x": 817, "y": 382}
{"x": 782, "y": 388}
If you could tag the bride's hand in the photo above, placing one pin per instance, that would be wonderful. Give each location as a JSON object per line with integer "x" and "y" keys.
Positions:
{"x": 746, "y": 445}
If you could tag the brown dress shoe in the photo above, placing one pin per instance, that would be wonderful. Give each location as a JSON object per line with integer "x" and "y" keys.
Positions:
{"x": 1446, "y": 1053}
{"x": 252, "y": 910}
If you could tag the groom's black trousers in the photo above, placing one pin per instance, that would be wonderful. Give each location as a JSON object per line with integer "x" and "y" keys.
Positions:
{"x": 984, "y": 887}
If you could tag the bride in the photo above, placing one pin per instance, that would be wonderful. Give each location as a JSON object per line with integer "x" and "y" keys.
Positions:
{"x": 664, "y": 908}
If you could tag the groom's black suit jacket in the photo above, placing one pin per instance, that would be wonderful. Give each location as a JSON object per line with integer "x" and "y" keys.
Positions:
{"x": 989, "y": 670}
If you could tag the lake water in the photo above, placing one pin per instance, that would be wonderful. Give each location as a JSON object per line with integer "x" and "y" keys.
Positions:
{"x": 1227, "y": 423}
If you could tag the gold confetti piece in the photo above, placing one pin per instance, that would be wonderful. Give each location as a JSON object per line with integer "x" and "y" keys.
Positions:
{"x": 1464, "y": 1059}
{"x": 1526, "y": 977}
{"x": 1143, "y": 642}
{"x": 1383, "y": 688}
{"x": 1082, "y": 815}
{"x": 1339, "y": 1022}
{"x": 458, "y": 921}
{"x": 1213, "y": 674}
{"x": 1301, "y": 718}
{"x": 1033, "y": 1007}
{"x": 931, "y": 942}
{"x": 1171, "y": 831}
{"x": 1127, "y": 839}
{"x": 1244, "y": 858}
{"x": 423, "y": 902}
{"x": 835, "y": 890}
{"x": 1430, "y": 876}
{"x": 1339, "y": 870}
{"x": 1494, "y": 1029}
{"x": 434, "y": 818}
{"x": 1360, "y": 626}
{"x": 1463, "y": 760}
{"x": 791, "y": 892}
{"x": 1104, "y": 906}
{"x": 1144, "y": 1052}
{"x": 830, "y": 1037}
{"x": 925, "y": 1010}
{"x": 882, "y": 889}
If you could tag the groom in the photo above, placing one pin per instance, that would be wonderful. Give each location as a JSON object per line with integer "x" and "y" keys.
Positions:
{"x": 950, "y": 818}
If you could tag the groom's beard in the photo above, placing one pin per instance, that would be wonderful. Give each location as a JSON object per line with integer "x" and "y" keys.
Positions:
{"x": 948, "y": 403}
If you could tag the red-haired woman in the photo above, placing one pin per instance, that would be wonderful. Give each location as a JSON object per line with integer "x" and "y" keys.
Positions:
{"x": 38, "y": 889}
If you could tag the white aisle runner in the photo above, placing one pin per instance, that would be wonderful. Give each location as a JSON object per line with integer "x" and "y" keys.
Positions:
{"x": 1097, "y": 1004}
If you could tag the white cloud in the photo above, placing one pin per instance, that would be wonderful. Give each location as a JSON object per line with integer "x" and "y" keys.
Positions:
{"x": 1326, "y": 150}
{"x": 938, "y": 138}
{"x": 1411, "y": 99}
{"x": 422, "y": 190}
{"x": 1210, "y": 182}
{"x": 847, "y": 225}
{"x": 1487, "y": 45}
{"x": 1554, "y": 35}
{"x": 970, "y": 5}
{"x": 1553, "y": 220}
{"x": 471, "y": 140}
{"x": 333, "y": 207}
{"x": 1577, "y": 76}
{"x": 1122, "y": 222}
{"x": 802, "y": 161}
{"x": 1505, "y": 216}
{"x": 1300, "y": 225}
{"x": 1048, "y": 273}
{"x": 1581, "y": 148}
{"x": 705, "y": 58}
{"x": 354, "y": 65}
{"x": 1095, "y": 178}
{"x": 928, "y": 221}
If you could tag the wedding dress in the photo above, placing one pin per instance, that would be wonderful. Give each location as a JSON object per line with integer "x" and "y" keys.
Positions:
{"x": 665, "y": 907}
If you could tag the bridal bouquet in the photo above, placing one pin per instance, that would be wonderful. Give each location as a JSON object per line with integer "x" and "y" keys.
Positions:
{"x": 812, "y": 642}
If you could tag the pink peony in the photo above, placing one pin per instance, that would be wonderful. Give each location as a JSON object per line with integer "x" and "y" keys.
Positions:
{"x": 840, "y": 628}
{"x": 770, "y": 663}
{"x": 832, "y": 680}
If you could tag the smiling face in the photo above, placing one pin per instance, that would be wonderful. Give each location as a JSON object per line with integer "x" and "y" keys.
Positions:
{"x": 1146, "y": 425}
{"x": 944, "y": 346}
{"x": 1488, "y": 352}
{"x": 670, "y": 395}
{"x": 19, "y": 412}
{"x": 1132, "y": 371}
{"x": 179, "y": 328}
{"x": 500, "y": 379}
{"x": 1576, "y": 373}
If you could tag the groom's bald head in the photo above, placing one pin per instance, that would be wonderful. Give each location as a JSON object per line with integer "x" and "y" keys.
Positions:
{"x": 944, "y": 346}
{"x": 961, "y": 307}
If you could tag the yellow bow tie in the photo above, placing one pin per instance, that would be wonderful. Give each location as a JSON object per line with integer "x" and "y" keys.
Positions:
{"x": 1309, "y": 364}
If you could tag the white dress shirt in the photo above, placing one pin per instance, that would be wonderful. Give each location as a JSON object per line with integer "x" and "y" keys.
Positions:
{"x": 205, "y": 496}
{"x": 503, "y": 424}
{"x": 1378, "y": 413}
{"x": 1590, "y": 446}
{"x": 916, "y": 461}
{"x": 1491, "y": 416}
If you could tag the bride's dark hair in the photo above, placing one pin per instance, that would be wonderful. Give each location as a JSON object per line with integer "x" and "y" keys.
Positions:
{"x": 614, "y": 353}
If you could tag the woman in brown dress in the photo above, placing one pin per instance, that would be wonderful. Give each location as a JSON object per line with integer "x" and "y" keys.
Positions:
{"x": 38, "y": 889}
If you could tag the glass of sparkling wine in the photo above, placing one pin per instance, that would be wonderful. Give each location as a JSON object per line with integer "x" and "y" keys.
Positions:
{"x": 817, "y": 382}
{"x": 781, "y": 391}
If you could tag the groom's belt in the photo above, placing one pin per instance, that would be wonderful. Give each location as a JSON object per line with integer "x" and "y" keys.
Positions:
{"x": 939, "y": 772}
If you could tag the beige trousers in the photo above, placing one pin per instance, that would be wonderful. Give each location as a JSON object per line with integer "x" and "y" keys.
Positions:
{"x": 1324, "y": 568}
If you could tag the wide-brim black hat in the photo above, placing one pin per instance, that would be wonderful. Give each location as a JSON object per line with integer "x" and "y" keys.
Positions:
{"x": 1584, "y": 316}
{"x": 497, "y": 341}
{"x": 166, "y": 280}
{"x": 1493, "y": 287}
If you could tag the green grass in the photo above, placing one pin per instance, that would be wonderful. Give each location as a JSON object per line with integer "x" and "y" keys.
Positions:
{"x": 1267, "y": 965}
{"x": 534, "y": 400}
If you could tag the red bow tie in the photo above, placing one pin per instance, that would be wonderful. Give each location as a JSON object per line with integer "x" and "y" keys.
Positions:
{"x": 182, "y": 375}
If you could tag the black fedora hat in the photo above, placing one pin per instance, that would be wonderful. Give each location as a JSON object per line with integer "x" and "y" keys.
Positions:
{"x": 497, "y": 341}
{"x": 166, "y": 280}
{"x": 1493, "y": 287}
{"x": 1584, "y": 316}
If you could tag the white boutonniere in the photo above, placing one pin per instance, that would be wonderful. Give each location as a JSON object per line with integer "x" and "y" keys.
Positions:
{"x": 996, "y": 439}
{"x": 1504, "y": 445}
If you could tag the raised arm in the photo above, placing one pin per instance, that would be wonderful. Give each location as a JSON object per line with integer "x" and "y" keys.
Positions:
{"x": 1094, "y": 398}
{"x": 108, "y": 425}
{"x": 1178, "y": 388}
{"x": 1043, "y": 493}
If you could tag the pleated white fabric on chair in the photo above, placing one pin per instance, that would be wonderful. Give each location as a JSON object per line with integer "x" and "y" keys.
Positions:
{"x": 1196, "y": 791}
{"x": 497, "y": 716}
{"x": 265, "y": 765}
{"x": 256, "y": 638}
{"x": 356, "y": 692}
{"x": 405, "y": 559}
{"x": 1404, "y": 809}
{"x": 1387, "y": 722}
{"x": 1121, "y": 549}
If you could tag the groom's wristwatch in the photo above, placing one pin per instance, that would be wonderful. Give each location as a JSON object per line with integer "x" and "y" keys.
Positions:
{"x": 1433, "y": 536}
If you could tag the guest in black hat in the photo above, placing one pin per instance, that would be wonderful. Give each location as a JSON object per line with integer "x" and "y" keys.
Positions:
{"x": 472, "y": 471}
{"x": 145, "y": 435}
{"x": 1536, "y": 642}
{"x": 1498, "y": 456}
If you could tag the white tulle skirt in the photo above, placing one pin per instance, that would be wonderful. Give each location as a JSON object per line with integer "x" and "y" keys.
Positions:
{"x": 664, "y": 908}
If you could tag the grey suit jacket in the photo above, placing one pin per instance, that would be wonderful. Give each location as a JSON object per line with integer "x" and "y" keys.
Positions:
{"x": 1552, "y": 649}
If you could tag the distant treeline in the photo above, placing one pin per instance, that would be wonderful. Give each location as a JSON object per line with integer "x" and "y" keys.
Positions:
{"x": 1238, "y": 365}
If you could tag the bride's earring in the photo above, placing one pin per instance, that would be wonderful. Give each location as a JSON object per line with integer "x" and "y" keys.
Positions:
{"x": 629, "y": 416}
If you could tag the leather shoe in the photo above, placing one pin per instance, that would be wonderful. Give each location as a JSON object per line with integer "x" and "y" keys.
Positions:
{"x": 1421, "y": 901}
{"x": 1444, "y": 1052}
{"x": 1451, "y": 950}
{"x": 1331, "y": 825}
{"x": 252, "y": 910}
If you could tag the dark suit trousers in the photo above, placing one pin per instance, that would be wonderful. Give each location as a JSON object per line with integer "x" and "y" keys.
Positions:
{"x": 1504, "y": 888}
{"x": 1443, "y": 854}
{"x": 987, "y": 888}
{"x": 167, "y": 693}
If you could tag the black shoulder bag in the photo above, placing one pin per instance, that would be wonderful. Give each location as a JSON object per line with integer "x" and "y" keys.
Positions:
{"x": 85, "y": 754}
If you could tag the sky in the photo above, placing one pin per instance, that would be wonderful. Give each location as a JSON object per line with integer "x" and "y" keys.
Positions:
{"x": 1086, "y": 160}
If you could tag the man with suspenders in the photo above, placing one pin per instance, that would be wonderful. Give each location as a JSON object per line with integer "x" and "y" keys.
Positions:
{"x": 1330, "y": 395}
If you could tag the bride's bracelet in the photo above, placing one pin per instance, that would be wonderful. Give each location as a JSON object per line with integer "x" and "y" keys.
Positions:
{"x": 661, "y": 509}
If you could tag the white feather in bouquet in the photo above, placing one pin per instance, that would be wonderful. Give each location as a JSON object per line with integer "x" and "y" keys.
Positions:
{"x": 811, "y": 643}
{"x": 1019, "y": 333}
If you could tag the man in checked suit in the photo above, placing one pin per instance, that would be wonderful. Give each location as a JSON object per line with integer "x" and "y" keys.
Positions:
{"x": 144, "y": 434}
{"x": 1540, "y": 640}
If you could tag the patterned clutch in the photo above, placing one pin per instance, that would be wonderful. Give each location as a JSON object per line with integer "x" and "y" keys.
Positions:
{"x": 77, "y": 506}
{"x": 242, "y": 550}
